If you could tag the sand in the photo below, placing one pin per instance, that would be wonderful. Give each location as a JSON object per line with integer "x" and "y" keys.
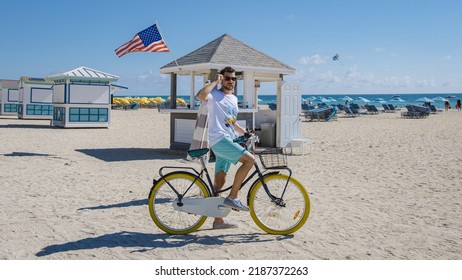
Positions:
{"x": 381, "y": 187}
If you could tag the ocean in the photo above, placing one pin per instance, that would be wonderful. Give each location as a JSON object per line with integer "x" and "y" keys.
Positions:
{"x": 395, "y": 99}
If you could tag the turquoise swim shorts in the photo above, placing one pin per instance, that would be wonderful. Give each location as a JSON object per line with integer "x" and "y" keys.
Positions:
{"x": 226, "y": 153}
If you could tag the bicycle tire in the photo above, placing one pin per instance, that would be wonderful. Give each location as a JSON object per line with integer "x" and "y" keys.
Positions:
{"x": 162, "y": 196}
{"x": 276, "y": 219}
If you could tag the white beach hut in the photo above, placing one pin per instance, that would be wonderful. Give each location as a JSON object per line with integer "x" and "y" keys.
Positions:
{"x": 35, "y": 98}
{"x": 9, "y": 94}
{"x": 82, "y": 98}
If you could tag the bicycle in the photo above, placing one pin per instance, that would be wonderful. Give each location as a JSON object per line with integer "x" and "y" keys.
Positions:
{"x": 180, "y": 201}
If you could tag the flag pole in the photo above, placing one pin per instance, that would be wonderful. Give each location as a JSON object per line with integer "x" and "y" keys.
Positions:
{"x": 163, "y": 38}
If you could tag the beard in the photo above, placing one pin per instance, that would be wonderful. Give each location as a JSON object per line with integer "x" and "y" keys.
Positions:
{"x": 227, "y": 87}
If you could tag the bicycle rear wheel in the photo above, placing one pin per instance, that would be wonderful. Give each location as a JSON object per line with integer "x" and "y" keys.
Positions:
{"x": 279, "y": 218}
{"x": 161, "y": 200}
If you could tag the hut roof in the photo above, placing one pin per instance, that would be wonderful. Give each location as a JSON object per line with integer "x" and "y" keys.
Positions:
{"x": 30, "y": 80}
{"x": 84, "y": 73}
{"x": 8, "y": 83}
{"x": 229, "y": 51}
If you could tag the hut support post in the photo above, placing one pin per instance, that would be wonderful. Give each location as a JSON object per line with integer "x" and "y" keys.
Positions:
{"x": 173, "y": 91}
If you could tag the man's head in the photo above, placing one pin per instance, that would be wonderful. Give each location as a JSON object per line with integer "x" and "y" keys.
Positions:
{"x": 229, "y": 78}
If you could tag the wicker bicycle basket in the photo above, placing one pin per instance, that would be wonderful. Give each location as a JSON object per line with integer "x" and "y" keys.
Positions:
{"x": 273, "y": 158}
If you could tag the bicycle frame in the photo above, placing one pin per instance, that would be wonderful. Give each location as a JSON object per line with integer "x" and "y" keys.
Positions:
{"x": 209, "y": 184}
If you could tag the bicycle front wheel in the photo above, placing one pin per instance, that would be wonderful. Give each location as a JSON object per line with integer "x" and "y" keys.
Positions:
{"x": 161, "y": 203}
{"x": 288, "y": 213}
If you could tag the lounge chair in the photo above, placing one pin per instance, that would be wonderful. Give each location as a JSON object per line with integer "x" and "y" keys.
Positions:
{"x": 348, "y": 112}
{"x": 414, "y": 111}
{"x": 424, "y": 111}
{"x": 433, "y": 109}
{"x": 355, "y": 106}
{"x": 371, "y": 109}
{"x": 392, "y": 107}
{"x": 132, "y": 106}
{"x": 387, "y": 109}
{"x": 355, "y": 110}
{"x": 321, "y": 114}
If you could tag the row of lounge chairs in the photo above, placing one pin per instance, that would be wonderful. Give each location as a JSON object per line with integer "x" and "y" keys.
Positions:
{"x": 389, "y": 108}
{"x": 414, "y": 111}
{"x": 320, "y": 114}
{"x": 353, "y": 110}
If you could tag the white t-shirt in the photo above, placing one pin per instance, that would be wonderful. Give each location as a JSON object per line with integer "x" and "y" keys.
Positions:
{"x": 222, "y": 109}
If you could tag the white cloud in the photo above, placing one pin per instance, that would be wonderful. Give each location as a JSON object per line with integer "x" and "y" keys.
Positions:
{"x": 312, "y": 60}
{"x": 352, "y": 72}
{"x": 447, "y": 57}
{"x": 425, "y": 83}
{"x": 379, "y": 49}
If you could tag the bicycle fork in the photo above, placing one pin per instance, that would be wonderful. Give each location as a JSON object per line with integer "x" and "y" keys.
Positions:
{"x": 279, "y": 201}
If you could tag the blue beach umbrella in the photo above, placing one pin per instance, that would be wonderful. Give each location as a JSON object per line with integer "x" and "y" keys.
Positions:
{"x": 362, "y": 99}
{"x": 347, "y": 98}
{"x": 331, "y": 99}
{"x": 380, "y": 100}
{"x": 425, "y": 99}
{"x": 321, "y": 99}
{"x": 440, "y": 99}
{"x": 397, "y": 99}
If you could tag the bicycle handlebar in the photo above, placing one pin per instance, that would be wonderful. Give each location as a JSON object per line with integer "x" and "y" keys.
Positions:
{"x": 249, "y": 140}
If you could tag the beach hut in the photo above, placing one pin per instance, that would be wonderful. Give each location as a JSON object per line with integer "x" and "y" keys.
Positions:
{"x": 252, "y": 68}
{"x": 35, "y": 98}
{"x": 82, "y": 98}
{"x": 9, "y": 95}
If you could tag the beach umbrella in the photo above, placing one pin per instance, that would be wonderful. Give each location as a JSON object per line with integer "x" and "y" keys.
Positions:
{"x": 425, "y": 99}
{"x": 331, "y": 99}
{"x": 362, "y": 99}
{"x": 347, "y": 98}
{"x": 380, "y": 100}
{"x": 322, "y": 99}
{"x": 397, "y": 99}
{"x": 440, "y": 99}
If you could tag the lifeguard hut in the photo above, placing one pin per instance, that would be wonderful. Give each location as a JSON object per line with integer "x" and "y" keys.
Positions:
{"x": 35, "y": 98}
{"x": 82, "y": 98}
{"x": 9, "y": 95}
{"x": 253, "y": 67}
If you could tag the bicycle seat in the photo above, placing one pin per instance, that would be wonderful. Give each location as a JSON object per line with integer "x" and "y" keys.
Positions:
{"x": 198, "y": 153}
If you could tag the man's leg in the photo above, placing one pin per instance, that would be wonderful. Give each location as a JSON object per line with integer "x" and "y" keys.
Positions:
{"x": 247, "y": 160}
{"x": 220, "y": 180}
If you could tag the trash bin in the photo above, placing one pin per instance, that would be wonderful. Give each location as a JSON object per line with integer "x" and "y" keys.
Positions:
{"x": 268, "y": 135}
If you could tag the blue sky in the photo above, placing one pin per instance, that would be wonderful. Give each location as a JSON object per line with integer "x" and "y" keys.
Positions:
{"x": 389, "y": 46}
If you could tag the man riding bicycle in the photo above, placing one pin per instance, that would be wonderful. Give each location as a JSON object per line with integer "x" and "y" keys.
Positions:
{"x": 223, "y": 128}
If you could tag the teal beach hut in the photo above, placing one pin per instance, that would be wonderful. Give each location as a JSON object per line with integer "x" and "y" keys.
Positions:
{"x": 82, "y": 98}
{"x": 35, "y": 98}
{"x": 9, "y": 95}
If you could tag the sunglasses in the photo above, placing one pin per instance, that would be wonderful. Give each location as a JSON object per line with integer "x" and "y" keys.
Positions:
{"x": 227, "y": 78}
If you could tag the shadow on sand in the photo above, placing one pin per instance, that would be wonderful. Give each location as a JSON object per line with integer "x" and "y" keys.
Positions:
{"x": 129, "y": 154}
{"x": 41, "y": 126}
{"x": 139, "y": 202}
{"x": 142, "y": 242}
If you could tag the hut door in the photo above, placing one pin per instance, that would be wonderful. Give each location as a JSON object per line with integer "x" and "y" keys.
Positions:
{"x": 289, "y": 127}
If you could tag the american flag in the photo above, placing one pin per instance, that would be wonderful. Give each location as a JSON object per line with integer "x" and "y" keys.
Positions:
{"x": 148, "y": 40}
